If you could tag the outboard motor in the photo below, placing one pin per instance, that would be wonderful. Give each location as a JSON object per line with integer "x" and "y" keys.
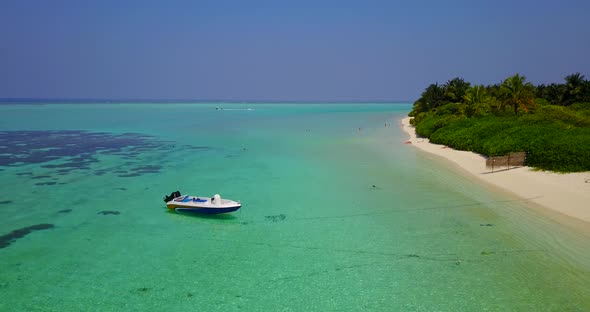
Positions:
{"x": 172, "y": 196}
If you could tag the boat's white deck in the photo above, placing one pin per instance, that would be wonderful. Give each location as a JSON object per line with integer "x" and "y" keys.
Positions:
{"x": 193, "y": 203}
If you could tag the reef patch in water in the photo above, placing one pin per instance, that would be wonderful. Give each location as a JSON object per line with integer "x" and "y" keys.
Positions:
{"x": 276, "y": 218}
{"x": 46, "y": 183}
{"x": 108, "y": 212}
{"x": 6, "y": 240}
{"x": 64, "y": 151}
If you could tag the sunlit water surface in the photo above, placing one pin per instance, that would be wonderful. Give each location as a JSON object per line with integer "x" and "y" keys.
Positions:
{"x": 338, "y": 214}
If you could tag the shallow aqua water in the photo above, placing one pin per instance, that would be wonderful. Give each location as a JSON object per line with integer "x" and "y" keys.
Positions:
{"x": 313, "y": 233}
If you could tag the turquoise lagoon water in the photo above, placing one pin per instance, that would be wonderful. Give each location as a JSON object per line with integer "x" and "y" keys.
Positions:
{"x": 338, "y": 215}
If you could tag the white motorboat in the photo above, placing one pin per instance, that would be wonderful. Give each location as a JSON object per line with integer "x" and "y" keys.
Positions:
{"x": 199, "y": 204}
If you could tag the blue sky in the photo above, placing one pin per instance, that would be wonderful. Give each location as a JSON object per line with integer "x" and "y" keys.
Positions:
{"x": 282, "y": 50}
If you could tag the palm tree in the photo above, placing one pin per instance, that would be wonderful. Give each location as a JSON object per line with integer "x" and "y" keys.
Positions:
{"x": 574, "y": 88}
{"x": 455, "y": 89}
{"x": 518, "y": 94}
{"x": 554, "y": 93}
{"x": 474, "y": 98}
{"x": 431, "y": 98}
{"x": 586, "y": 92}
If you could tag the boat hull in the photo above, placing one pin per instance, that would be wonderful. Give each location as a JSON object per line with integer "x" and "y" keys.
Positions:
{"x": 207, "y": 210}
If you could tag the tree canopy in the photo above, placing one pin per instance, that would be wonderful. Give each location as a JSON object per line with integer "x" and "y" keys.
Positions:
{"x": 550, "y": 122}
{"x": 513, "y": 93}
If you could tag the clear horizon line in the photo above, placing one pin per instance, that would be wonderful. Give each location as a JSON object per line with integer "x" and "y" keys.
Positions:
{"x": 19, "y": 100}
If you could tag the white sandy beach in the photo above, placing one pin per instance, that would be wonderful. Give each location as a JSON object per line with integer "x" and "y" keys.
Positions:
{"x": 568, "y": 194}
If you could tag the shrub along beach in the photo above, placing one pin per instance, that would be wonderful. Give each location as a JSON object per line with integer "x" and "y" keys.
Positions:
{"x": 551, "y": 123}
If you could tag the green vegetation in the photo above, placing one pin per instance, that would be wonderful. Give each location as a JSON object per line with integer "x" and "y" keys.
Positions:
{"x": 550, "y": 122}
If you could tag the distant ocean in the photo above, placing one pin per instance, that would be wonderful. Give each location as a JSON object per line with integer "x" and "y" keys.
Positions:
{"x": 338, "y": 215}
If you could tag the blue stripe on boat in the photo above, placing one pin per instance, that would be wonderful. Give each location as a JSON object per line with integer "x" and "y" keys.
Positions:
{"x": 207, "y": 210}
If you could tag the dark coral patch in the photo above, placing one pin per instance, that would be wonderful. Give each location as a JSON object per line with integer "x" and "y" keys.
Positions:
{"x": 129, "y": 175}
{"x": 108, "y": 212}
{"x": 63, "y": 171}
{"x": 40, "y": 177}
{"x": 149, "y": 167}
{"x": 64, "y": 152}
{"x": 11, "y": 237}
{"x": 32, "y": 147}
{"x": 276, "y": 218}
{"x": 146, "y": 169}
{"x": 73, "y": 163}
{"x": 46, "y": 183}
